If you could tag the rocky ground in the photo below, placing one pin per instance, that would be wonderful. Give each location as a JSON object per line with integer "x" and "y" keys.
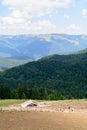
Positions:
{"x": 50, "y": 106}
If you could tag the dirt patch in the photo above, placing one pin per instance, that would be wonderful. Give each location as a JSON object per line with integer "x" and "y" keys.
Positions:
{"x": 46, "y": 115}
{"x": 42, "y": 121}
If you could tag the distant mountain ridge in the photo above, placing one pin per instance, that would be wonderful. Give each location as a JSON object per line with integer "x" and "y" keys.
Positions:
{"x": 24, "y": 48}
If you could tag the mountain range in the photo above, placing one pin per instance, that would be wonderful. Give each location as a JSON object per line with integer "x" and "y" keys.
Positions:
{"x": 20, "y": 49}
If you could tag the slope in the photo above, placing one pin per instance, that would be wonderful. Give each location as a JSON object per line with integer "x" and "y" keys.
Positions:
{"x": 64, "y": 73}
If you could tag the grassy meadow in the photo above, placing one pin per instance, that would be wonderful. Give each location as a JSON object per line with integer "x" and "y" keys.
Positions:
{"x": 6, "y": 103}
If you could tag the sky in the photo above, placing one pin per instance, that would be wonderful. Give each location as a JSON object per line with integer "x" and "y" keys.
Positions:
{"x": 43, "y": 17}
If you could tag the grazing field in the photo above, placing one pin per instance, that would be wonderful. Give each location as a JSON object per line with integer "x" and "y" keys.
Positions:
{"x": 6, "y": 103}
{"x": 65, "y": 115}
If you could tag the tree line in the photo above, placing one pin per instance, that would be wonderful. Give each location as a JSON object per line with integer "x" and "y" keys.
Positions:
{"x": 24, "y": 92}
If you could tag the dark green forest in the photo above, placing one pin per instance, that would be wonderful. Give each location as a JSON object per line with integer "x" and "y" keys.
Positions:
{"x": 53, "y": 77}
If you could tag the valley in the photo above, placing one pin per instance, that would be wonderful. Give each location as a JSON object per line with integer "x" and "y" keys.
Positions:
{"x": 20, "y": 49}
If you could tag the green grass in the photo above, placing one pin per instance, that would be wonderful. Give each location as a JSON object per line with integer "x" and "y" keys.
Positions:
{"x": 6, "y": 103}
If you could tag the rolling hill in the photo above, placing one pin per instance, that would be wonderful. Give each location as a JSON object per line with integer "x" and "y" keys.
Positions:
{"x": 82, "y": 51}
{"x": 16, "y": 50}
{"x": 65, "y": 73}
{"x": 6, "y": 63}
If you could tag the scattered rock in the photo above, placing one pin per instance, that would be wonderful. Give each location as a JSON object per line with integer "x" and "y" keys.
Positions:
{"x": 28, "y": 104}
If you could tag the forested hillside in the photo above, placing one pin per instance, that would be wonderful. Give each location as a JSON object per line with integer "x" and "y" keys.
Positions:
{"x": 62, "y": 76}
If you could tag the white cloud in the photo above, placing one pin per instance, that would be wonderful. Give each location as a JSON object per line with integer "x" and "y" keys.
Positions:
{"x": 23, "y": 15}
{"x": 84, "y": 13}
{"x": 66, "y": 16}
{"x": 32, "y": 8}
{"x": 73, "y": 27}
{"x": 39, "y": 4}
{"x": 42, "y": 26}
{"x": 27, "y": 28}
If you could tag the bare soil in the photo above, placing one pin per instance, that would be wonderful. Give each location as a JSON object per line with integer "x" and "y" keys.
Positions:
{"x": 47, "y": 115}
{"x": 31, "y": 120}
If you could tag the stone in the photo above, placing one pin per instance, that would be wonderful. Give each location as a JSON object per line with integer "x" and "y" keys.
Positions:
{"x": 28, "y": 104}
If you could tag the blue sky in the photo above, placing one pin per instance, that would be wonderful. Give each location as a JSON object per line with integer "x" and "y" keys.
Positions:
{"x": 43, "y": 16}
